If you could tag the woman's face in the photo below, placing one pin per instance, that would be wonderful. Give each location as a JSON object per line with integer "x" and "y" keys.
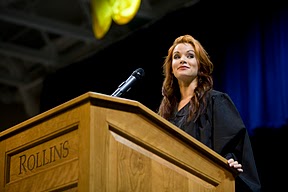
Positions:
{"x": 184, "y": 63}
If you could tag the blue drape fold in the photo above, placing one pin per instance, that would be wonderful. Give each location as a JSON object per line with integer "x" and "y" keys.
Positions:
{"x": 256, "y": 72}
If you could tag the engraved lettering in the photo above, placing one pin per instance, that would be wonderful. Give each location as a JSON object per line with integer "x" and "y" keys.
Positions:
{"x": 39, "y": 163}
{"x": 51, "y": 153}
{"x": 22, "y": 163}
{"x": 65, "y": 149}
{"x": 44, "y": 157}
{"x": 31, "y": 162}
{"x": 56, "y": 151}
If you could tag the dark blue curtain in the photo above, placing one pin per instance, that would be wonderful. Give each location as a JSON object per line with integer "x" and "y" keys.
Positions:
{"x": 256, "y": 71}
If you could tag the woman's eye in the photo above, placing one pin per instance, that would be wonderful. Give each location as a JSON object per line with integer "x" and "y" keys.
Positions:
{"x": 190, "y": 56}
{"x": 176, "y": 57}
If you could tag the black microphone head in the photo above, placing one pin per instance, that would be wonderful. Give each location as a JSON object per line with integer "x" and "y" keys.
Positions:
{"x": 126, "y": 85}
{"x": 138, "y": 73}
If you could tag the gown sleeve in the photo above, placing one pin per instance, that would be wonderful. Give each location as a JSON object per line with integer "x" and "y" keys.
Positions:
{"x": 231, "y": 139}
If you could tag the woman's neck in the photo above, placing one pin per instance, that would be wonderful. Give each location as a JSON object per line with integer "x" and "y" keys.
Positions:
{"x": 187, "y": 92}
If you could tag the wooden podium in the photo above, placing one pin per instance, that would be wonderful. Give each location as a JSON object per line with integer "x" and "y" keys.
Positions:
{"x": 99, "y": 143}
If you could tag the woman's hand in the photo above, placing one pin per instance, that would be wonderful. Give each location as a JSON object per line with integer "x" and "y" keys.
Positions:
{"x": 235, "y": 165}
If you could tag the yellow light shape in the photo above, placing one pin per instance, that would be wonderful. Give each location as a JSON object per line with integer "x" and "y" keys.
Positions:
{"x": 125, "y": 10}
{"x": 104, "y": 11}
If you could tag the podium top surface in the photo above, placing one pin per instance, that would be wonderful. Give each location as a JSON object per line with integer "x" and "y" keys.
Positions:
{"x": 97, "y": 99}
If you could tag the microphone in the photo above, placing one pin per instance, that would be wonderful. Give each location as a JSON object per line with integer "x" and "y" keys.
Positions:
{"x": 126, "y": 85}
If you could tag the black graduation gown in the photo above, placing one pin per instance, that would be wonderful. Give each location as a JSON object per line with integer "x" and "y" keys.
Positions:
{"x": 221, "y": 128}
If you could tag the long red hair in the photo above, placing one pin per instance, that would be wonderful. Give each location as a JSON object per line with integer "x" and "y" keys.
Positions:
{"x": 170, "y": 88}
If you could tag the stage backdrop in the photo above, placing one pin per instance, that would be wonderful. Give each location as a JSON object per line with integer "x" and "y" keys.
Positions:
{"x": 256, "y": 67}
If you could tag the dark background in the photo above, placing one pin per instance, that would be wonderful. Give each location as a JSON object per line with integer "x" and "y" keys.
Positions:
{"x": 216, "y": 24}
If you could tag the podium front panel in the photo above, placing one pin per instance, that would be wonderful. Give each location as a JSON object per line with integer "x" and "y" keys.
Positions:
{"x": 98, "y": 143}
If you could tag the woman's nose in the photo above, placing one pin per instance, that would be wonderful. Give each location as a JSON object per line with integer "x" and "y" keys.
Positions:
{"x": 182, "y": 60}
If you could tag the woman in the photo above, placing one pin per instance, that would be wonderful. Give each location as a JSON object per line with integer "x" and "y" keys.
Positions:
{"x": 190, "y": 102}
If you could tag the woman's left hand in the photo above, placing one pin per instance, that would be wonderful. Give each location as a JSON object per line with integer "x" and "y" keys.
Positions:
{"x": 234, "y": 164}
